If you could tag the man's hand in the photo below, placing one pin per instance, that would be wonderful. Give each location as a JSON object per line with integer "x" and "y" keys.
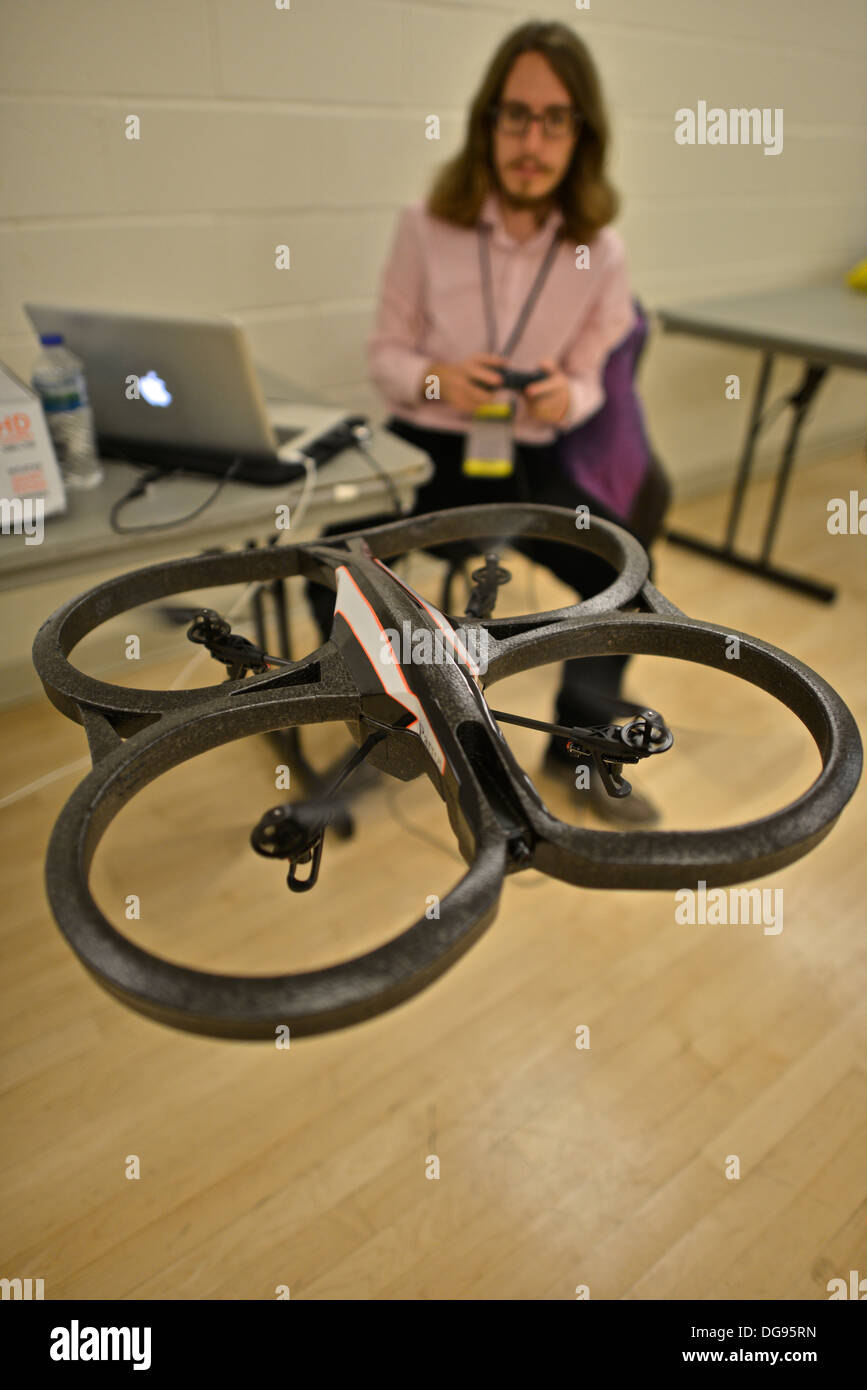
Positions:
{"x": 462, "y": 383}
{"x": 548, "y": 400}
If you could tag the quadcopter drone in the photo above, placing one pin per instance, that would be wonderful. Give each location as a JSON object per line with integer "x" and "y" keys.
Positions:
{"x": 407, "y": 718}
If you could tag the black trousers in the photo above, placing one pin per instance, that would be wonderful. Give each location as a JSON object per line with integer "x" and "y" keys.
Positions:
{"x": 588, "y": 682}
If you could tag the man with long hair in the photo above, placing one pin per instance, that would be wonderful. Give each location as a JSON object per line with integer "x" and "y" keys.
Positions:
{"x": 511, "y": 261}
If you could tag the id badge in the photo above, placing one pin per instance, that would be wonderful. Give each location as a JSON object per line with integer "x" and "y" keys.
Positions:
{"x": 489, "y": 447}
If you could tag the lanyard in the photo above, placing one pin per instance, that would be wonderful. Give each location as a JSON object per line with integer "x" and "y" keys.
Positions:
{"x": 487, "y": 290}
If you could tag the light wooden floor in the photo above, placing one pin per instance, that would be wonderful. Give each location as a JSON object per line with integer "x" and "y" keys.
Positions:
{"x": 559, "y": 1167}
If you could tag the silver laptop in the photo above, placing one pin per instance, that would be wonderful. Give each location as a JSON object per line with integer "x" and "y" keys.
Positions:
{"x": 198, "y": 403}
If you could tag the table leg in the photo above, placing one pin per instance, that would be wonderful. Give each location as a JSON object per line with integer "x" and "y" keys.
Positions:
{"x": 810, "y": 383}
{"x": 746, "y": 462}
{"x": 812, "y": 380}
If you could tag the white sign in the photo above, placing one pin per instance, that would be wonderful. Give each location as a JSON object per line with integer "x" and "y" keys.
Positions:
{"x": 28, "y": 463}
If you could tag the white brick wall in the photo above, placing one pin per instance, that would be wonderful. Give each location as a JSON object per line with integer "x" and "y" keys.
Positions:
{"x": 306, "y": 126}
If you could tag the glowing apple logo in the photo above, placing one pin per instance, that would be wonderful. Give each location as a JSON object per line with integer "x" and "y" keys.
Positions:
{"x": 153, "y": 389}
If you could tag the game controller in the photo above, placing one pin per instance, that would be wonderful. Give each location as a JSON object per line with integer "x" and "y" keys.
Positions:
{"x": 515, "y": 380}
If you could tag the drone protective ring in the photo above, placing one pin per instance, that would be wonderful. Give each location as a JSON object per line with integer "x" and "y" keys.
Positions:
{"x": 500, "y": 821}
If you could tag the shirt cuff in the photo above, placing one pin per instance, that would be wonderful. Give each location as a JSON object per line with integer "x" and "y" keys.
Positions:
{"x": 402, "y": 379}
{"x": 586, "y": 396}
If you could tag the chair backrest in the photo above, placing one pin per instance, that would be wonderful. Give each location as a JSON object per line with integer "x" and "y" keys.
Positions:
{"x": 608, "y": 455}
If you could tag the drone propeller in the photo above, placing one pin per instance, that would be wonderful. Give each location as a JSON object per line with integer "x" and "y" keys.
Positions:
{"x": 486, "y": 581}
{"x": 609, "y": 745}
{"x": 210, "y": 629}
{"x": 296, "y": 831}
{"x": 238, "y": 654}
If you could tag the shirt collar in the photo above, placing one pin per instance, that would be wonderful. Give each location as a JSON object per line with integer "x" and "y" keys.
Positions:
{"x": 490, "y": 213}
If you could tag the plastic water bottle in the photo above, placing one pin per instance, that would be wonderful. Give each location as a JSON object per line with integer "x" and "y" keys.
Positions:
{"x": 59, "y": 381}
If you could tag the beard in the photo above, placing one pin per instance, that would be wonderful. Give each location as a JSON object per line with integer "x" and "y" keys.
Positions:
{"x": 541, "y": 204}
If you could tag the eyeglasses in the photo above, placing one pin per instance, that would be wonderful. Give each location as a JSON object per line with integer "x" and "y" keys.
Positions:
{"x": 514, "y": 118}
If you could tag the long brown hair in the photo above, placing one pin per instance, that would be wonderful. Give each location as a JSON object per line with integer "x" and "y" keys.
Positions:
{"x": 585, "y": 196}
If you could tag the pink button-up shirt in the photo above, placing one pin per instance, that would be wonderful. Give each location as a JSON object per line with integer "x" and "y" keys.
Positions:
{"x": 431, "y": 308}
